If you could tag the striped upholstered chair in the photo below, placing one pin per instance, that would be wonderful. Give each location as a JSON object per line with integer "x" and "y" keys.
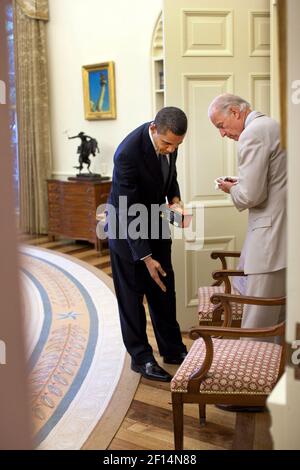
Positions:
{"x": 213, "y": 315}
{"x": 223, "y": 367}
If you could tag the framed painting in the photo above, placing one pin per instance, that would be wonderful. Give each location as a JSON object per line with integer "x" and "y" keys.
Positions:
{"x": 99, "y": 91}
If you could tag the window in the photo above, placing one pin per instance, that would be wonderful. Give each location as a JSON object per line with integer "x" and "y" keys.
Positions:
{"x": 13, "y": 110}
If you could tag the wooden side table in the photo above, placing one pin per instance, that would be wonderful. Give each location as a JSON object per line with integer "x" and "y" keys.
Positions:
{"x": 72, "y": 208}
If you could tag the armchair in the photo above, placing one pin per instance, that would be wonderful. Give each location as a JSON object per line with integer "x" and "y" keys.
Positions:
{"x": 223, "y": 367}
{"x": 209, "y": 314}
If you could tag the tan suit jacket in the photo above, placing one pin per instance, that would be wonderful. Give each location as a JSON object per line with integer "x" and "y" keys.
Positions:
{"x": 262, "y": 190}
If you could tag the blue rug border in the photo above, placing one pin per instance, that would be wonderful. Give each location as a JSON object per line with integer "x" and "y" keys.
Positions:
{"x": 88, "y": 356}
{"x": 46, "y": 322}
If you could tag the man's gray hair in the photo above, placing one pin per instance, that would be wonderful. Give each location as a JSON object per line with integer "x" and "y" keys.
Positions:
{"x": 223, "y": 102}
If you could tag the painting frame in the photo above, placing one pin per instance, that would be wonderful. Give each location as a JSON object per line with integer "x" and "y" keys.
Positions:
{"x": 99, "y": 91}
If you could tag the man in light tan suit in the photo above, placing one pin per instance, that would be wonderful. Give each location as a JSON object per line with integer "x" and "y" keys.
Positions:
{"x": 260, "y": 188}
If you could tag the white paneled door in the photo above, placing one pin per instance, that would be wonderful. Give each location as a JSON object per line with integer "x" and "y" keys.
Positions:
{"x": 211, "y": 47}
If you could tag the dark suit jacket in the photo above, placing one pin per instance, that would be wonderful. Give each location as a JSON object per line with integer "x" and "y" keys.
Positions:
{"x": 137, "y": 175}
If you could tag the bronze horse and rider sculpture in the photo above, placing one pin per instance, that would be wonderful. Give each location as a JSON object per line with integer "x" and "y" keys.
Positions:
{"x": 89, "y": 146}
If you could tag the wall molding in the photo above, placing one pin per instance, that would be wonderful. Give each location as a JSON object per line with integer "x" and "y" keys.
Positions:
{"x": 216, "y": 27}
{"x": 226, "y": 242}
{"x": 257, "y": 46}
{"x": 198, "y": 90}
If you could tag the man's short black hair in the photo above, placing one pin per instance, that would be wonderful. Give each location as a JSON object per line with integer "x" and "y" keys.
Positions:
{"x": 171, "y": 119}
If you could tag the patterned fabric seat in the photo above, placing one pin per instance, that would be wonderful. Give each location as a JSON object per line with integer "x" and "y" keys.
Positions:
{"x": 229, "y": 366}
{"x": 205, "y": 307}
{"x": 238, "y": 367}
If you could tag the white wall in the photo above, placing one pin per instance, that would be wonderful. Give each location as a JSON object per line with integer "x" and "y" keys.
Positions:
{"x": 83, "y": 32}
{"x": 284, "y": 400}
{"x": 292, "y": 412}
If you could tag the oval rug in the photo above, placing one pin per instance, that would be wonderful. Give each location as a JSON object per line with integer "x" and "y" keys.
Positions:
{"x": 79, "y": 372}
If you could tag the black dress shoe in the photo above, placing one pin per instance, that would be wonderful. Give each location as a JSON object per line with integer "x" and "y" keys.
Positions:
{"x": 178, "y": 359}
{"x": 243, "y": 409}
{"x": 151, "y": 370}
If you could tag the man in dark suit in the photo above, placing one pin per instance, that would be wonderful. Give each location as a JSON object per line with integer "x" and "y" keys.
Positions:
{"x": 140, "y": 245}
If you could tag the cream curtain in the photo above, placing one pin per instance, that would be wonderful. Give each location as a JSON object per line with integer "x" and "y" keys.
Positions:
{"x": 36, "y": 9}
{"x": 30, "y": 18}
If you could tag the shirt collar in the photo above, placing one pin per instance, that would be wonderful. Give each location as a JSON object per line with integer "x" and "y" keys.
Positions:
{"x": 151, "y": 138}
{"x": 249, "y": 117}
{"x": 155, "y": 149}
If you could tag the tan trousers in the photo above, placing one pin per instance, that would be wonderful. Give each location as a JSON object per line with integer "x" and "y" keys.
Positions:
{"x": 264, "y": 285}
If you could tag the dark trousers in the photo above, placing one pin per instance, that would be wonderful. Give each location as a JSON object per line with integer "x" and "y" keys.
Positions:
{"x": 132, "y": 281}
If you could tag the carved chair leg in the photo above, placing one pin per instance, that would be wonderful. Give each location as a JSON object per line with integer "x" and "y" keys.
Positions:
{"x": 177, "y": 405}
{"x": 202, "y": 414}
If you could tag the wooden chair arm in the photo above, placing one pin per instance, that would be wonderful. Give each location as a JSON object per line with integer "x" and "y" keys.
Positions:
{"x": 226, "y": 273}
{"x": 226, "y": 299}
{"x": 223, "y": 276}
{"x": 243, "y": 299}
{"x": 204, "y": 331}
{"x": 195, "y": 379}
{"x": 224, "y": 254}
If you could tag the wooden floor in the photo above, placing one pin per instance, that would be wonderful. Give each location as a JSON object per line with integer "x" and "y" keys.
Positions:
{"x": 148, "y": 423}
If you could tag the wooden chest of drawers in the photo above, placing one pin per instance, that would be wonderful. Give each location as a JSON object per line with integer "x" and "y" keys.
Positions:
{"x": 72, "y": 208}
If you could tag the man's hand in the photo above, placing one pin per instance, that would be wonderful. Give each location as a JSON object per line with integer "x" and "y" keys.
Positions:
{"x": 226, "y": 185}
{"x": 155, "y": 269}
{"x": 176, "y": 203}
